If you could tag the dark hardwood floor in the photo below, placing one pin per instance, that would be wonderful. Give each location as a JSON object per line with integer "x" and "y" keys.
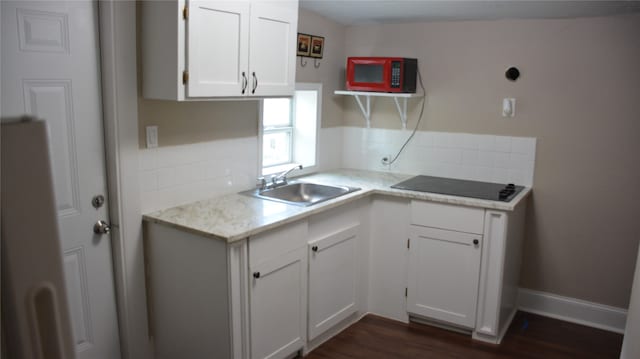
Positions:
{"x": 530, "y": 336}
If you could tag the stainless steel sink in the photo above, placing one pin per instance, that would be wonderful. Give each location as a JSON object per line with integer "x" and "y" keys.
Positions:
{"x": 302, "y": 193}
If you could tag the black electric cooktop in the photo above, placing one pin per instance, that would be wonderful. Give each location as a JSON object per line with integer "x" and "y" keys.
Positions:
{"x": 461, "y": 188}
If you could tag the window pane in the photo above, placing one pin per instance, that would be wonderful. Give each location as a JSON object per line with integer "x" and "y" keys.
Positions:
{"x": 276, "y": 148}
{"x": 276, "y": 112}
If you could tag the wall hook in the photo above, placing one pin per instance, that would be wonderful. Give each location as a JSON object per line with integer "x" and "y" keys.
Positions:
{"x": 316, "y": 64}
{"x": 303, "y": 64}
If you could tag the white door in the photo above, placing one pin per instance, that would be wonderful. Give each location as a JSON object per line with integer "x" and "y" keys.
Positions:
{"x": 278, "y": 311}
{"x": 272, "y": 48}
{"x": 217, "y": 51}
{"x": 332, "y": 280}
{"x": 50, "y": 69}
{"x": 444, "y": 271}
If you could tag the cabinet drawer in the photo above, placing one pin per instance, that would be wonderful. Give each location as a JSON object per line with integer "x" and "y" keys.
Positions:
{"x": 276, "y": 242}
{"x": 446, "y": 216}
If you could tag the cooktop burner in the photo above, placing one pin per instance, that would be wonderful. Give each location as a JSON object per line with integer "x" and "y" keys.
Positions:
{"x": 461, "y": 188}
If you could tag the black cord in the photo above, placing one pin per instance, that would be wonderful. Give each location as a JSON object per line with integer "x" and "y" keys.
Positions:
{"x": 424, "y": 99}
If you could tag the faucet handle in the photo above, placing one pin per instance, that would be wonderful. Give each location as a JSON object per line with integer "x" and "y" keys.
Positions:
{"x": 261, "y": 183}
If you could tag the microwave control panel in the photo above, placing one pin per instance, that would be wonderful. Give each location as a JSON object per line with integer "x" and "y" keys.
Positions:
{"x": 395, "y": 74}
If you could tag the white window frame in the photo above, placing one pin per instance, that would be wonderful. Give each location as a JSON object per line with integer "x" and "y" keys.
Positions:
{"x": 301, "y": 86}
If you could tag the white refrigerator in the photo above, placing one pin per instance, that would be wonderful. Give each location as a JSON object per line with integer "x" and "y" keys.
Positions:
{"x": 35, "y": 317}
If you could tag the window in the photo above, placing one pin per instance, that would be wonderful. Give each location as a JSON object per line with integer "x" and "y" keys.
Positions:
{"x": 289, "y": 129}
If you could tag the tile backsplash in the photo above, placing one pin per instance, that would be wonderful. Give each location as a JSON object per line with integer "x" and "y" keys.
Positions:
{"x": 501, "y": 159}
{"x": 174, "y": 175}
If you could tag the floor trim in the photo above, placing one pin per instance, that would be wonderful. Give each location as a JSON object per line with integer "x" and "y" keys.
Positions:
{"x": 572, "y": 310}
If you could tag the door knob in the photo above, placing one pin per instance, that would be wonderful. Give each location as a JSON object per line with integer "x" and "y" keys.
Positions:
{"x": 101, "y": 227}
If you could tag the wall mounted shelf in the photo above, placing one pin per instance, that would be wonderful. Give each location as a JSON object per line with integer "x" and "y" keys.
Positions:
{"x": 366, "y": 107}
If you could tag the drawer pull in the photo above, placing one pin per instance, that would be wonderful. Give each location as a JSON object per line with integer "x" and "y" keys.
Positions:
{"x": 256, "y": 275}
{"x": 475, "y": 242}
{"x": 314, "y": 248}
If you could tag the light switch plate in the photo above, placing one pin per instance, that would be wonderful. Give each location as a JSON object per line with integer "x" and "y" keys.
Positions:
{"x": 152, "y": 136}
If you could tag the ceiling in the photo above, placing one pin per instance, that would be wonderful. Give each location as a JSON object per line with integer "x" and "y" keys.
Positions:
{"x": 349, "y": 12}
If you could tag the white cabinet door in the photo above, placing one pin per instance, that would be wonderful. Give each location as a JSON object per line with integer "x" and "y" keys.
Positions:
{"x": 278, "y": 310}
{"x": 443, "y": 275}
{"x": 227, "y": 48}
{"x": 218, "y": 48}
{"x": 332, "y": 280}
{"x": 272, "y": 48}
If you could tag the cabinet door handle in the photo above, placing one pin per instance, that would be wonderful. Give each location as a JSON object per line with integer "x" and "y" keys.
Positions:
{"x": 255, "y": 82}
{"x": 245, "y": 82}
{"x": 256, "y": 275}
{"x": 475, "y": 242}
{"x": 314, "y": 248}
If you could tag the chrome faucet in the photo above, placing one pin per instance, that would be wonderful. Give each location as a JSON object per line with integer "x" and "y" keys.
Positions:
{"x": 276, "y": 180}
{"x": 282, "y": 177}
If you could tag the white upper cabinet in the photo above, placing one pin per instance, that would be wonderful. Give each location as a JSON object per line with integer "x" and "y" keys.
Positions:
{"x": 272, "y": 49}
{"x": 217, "y": 51}
{"x": 197, "y": 50}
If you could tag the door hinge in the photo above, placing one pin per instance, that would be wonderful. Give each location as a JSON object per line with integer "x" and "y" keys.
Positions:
{"x": 408, "y": 243}
{"x": 185, "y": 12}
{"x": 185, "y": 77}
{"x": 406, "y": 292}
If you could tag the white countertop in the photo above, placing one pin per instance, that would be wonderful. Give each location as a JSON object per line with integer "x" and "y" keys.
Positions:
{"x": 235, "y": 216}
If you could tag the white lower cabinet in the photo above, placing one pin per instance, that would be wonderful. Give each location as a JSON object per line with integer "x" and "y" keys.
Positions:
{"x": 443, "y": 275}
{"x": 277, "y": 305}
{"x": 332, "y": 279}
{"x": 277, "y": 292}
{"x": 289, "y": 289}
{"x": 464, "y": 266}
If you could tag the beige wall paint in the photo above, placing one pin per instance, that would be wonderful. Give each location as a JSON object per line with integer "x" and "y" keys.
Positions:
{"x": 579, "y": 94}
{"x": 331, "y": 70}
{"x": 191, "y": 122}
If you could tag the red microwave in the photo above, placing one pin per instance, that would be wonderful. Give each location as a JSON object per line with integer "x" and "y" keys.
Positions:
{"x": 382, "y": 74}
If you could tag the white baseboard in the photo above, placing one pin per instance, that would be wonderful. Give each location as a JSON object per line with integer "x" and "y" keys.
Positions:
{"x": 572, "y": 310}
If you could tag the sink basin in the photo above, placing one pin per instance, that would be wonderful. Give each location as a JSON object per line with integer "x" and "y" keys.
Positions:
{"x": 302, "y": 193}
